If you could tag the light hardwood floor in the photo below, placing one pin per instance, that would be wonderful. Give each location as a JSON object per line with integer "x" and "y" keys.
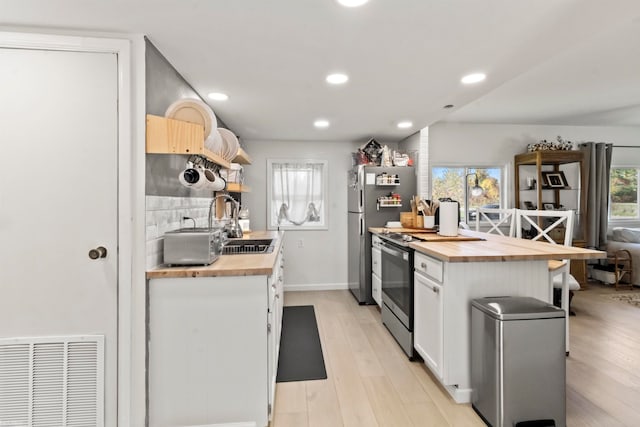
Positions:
{"x": 372, "y": 383}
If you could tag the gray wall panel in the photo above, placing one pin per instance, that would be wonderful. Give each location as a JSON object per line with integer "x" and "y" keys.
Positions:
{"x": 164, "y": 86}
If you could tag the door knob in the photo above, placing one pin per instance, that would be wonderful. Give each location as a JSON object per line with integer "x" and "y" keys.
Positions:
{"x": 99, "y": 252}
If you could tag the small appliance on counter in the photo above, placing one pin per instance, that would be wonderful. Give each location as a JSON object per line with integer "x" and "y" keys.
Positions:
{"x": 449, "y": 214}
{"x": 192, "y": 246}
{"x": 452, "y": 213}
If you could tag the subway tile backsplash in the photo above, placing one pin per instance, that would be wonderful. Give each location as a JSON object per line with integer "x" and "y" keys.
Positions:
{"x": 165, "y": 214}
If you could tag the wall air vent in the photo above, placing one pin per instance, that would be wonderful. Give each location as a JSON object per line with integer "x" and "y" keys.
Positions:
{"x": 52, "y": 381}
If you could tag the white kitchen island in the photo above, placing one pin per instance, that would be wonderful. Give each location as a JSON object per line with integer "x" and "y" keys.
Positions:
{"x": 448, "y": 275}
{"x": 214, "y": 335}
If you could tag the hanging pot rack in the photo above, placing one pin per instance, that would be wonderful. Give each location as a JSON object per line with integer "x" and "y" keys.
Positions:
{"x": 198, "y": 160}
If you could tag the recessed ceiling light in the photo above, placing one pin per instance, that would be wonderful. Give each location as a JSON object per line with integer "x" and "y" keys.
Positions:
{"x": 404, "y": 124}
{"x": 352, "y": 3}
{"x": 337, "y": 78}
{"x": 217, "y": 96}
{"x": 321, "y": 123}
{"x": 473, "y": 78}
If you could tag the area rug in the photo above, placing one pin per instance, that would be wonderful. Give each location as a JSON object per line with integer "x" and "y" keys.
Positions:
{"x": 301, "y": 356}
{"x": 631, "y": 298}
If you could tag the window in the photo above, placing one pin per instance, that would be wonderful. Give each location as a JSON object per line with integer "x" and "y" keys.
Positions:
{"x": 623, "y": 193}
{"x": 297, "y": 192}
{"x": 457, "y": 183}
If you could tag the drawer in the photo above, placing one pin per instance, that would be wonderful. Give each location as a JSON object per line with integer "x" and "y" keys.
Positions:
{"x": 428, "y": 266}
{"x": 272, "y": 283}
{"x": 376, "y": 261}
{"x": 376, "y": 289}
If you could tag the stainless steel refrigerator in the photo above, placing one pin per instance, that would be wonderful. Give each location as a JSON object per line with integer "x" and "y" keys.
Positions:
{"x": 364, "y": 211}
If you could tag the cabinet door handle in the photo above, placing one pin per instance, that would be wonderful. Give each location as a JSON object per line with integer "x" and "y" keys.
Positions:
{"x": 435, "y": 290}
{"x": 423, "y": 265}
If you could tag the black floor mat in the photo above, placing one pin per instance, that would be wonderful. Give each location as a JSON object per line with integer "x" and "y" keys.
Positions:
{"x": 300, "y": 349}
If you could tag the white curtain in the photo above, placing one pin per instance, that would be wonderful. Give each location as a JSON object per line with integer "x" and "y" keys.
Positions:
{"x": 297, "y": 193}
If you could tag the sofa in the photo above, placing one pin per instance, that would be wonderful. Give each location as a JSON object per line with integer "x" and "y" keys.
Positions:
{"x": 629, "y": 239}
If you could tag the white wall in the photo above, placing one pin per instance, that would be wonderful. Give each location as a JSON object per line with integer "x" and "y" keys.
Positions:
{"x": 321, "y": 262}
{"x": 496, "y": 144}
{"x": 416, "y": 145}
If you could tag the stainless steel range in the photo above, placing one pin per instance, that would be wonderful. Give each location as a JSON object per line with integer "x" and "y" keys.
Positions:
{"x": 397, "y": 289}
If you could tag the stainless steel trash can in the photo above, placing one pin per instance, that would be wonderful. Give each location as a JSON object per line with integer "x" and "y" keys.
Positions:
{"x": 518, "y": 371}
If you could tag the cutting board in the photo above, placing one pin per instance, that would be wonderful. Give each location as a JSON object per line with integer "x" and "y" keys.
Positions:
{"x": 432, "y": 237}
{"x": 418, "y": 231}
{"x": 410, "y": 230}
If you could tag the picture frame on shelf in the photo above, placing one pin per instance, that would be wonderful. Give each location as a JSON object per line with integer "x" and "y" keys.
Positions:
{"x": 555, "y": 179}
{"x": 548, "y": 206}
{"x": 528, "y": 205}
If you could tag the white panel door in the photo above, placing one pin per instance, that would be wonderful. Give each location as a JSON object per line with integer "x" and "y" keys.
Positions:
{"x": 58, "y": 198}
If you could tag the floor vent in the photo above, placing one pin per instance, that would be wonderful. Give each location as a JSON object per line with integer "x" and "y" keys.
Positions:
{"x": 52, "y": 381}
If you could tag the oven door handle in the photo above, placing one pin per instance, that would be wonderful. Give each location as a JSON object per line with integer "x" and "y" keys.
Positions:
{"x": 402, "y": 254}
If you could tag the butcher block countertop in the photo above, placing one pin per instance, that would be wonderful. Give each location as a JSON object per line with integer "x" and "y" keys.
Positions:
{"x": 229, "y": 265}
{"x": 493, "y": 247}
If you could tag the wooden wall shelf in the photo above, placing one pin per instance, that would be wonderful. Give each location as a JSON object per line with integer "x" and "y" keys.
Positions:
{"x": 242, "y": 157}
{"x": 233, "y": 187}
{"x": 168, "y": 136}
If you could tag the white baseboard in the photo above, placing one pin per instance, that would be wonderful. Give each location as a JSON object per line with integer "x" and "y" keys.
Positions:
{"x": 317, "y": 287}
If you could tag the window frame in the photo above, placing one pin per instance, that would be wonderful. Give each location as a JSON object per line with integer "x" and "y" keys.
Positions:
{"x": 470, "y": 169}
{"x": 324, "y": 211}
{"x": 625, "y": 220}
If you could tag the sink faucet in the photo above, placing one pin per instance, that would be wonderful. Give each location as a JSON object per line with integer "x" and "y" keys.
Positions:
{"x": 233, "y": 230}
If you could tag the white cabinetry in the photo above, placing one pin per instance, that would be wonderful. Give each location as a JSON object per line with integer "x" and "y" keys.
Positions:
{"x": 442, "y": 309}
{"x": 428, "y": 327}
{"x": 376, "y": 270}
{"x": 213, "y": 348}
{"x": 274, "y": 325}
{"x": 376, "y": 288}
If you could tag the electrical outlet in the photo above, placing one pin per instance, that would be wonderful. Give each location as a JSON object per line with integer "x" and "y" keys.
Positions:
{"x": 300, "y": 243}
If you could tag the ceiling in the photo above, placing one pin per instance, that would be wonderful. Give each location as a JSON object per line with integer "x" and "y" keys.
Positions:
{"x": 574, "y": 62}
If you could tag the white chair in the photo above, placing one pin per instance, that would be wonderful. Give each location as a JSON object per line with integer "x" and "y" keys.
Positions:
{"x": 496, "y": 218}
{"x": 559, "y": 276}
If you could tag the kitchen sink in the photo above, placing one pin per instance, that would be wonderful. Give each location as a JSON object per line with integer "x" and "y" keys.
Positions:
{"x": 248, "y": 246}
{"x": 192, "y": 230}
